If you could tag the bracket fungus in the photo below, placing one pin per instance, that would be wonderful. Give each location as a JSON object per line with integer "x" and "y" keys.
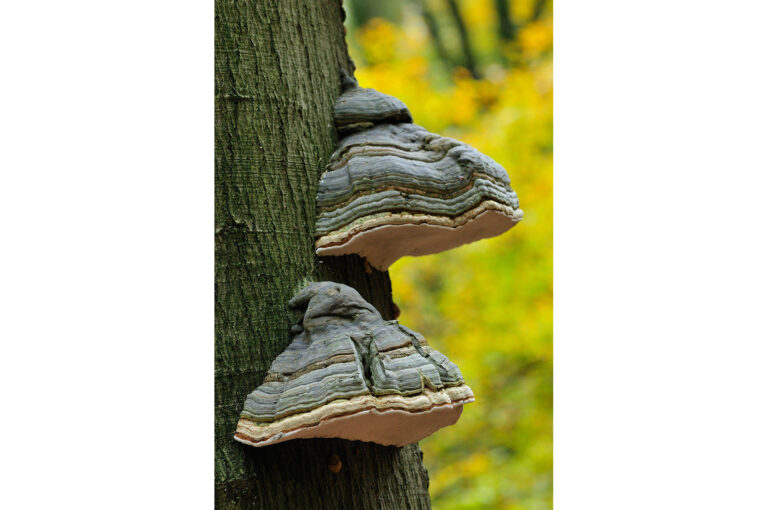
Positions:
{"x": 393, "y": 189}
{"x": 348, "y": 373}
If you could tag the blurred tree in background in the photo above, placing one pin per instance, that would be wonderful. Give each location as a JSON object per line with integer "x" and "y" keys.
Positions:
{"x": 480, "y": 71}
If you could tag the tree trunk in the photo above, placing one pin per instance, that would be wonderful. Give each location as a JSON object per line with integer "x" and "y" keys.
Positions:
{"x": 507, "y": 29}
{"x": 538, "y": 10}
{"x": 434, "y": 32}
{"x": 466, "y": 46}
{"x": 276, "y": 71}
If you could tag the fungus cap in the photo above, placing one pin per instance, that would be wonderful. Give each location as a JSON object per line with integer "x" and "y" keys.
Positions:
{"x": 396, "y": 189}
{"x": 348, "y": 373}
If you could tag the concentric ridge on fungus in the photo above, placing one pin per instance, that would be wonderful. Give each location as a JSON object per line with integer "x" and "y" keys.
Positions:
{"x": 393, "y": 189}
{"x": 348, "y": 373}
{"x": 359, "y": 108}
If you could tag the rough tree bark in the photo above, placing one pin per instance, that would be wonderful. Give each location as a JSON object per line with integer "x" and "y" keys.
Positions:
{"x": 276, "y": 72}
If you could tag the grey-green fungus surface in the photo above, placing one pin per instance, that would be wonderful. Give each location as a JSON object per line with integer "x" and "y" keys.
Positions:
{"x": 351, "y": 374}
{"x": 393, "y": 189}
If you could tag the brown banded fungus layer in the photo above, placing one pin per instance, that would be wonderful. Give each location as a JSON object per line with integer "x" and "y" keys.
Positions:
{"x": 393, "y": 189}
{"x": 350, "y": 374}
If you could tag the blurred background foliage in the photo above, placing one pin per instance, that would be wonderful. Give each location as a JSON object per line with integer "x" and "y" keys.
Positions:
{"x": 480, "y": 71}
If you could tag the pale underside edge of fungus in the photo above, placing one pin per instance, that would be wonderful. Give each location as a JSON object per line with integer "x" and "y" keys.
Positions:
{"x": 389, "y": 420}
{"x": 384, "y": 238}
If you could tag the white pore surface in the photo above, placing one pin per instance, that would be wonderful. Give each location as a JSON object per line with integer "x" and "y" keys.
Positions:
{"x": 388, "y": 427}
{"x": 383, "y": 245}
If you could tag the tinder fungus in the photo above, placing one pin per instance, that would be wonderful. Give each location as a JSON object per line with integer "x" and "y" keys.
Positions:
{"x": 393, "y": 189}
{"x": 350, "y": 374}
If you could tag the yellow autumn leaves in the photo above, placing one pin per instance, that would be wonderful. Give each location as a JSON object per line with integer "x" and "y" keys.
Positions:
{"x": 488, "y": 305}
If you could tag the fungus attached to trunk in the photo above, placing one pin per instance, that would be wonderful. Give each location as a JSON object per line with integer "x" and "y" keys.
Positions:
{"x": 348, "y": 373}
{"x": 393, "y": 189}
{"x": 357, "y": 108}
